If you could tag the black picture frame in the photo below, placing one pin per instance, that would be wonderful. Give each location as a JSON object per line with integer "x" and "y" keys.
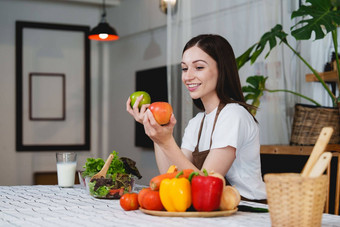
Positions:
{"x": 47, "y": 138}
{"x": 46, "y": 95}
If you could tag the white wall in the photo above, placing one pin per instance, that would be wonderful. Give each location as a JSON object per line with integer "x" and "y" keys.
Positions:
{"x": 17, "y": 168}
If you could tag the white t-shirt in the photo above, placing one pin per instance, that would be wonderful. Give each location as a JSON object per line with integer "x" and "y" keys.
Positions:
{"x": 234, "y": 127}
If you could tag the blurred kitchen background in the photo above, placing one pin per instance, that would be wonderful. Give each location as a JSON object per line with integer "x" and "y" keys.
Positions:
{"x": 149, "y": 39}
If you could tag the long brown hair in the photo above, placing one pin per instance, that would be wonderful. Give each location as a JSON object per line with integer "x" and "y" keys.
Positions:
{"x": 228, "y": 87}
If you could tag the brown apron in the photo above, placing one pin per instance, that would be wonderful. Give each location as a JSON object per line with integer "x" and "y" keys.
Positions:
{"x": 199, "y": 157}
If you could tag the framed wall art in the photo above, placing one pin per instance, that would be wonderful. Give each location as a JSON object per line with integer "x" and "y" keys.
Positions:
{"x": 47, "y": 100}
{"x": 52, "y": 87}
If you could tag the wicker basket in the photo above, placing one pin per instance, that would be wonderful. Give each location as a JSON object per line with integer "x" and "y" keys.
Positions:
{"x": 294, "y": 200}
{"x": 308, "y": 122}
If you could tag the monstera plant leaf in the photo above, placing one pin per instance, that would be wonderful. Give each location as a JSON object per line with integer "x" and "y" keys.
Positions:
{"x": 321, "y": 16}
{"x": 254, "y": 91}
{"x": 255, "y": 50}
{"x": 318, "y": 16}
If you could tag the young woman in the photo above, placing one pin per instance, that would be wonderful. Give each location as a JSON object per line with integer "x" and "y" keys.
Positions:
{"x": 224, "y": 137}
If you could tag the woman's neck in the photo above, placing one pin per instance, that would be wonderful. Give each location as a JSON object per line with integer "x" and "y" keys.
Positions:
{"x": 210, "y": 104}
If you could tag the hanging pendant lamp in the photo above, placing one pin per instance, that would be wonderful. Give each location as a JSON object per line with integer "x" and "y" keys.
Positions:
{"x": 103, "y": 31}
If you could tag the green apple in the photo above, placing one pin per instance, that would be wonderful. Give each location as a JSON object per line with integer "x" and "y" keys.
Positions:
{"x": 146, "y": 98}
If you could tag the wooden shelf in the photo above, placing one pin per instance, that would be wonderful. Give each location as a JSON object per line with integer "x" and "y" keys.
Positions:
{"x": 331, "y": 76}
{"x": 295, "y": 150}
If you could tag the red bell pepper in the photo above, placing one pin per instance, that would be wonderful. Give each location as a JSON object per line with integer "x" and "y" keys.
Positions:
{"x": 206, "y": 192}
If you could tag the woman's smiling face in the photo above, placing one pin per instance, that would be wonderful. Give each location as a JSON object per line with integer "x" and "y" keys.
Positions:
{"x": 199, "y": 74}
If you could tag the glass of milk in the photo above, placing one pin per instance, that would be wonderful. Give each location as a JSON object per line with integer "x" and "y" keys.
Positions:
{"x": 66, "y": 168}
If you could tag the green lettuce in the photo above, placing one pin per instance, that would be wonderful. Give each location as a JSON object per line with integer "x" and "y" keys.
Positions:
{"x": 94, "y": 165}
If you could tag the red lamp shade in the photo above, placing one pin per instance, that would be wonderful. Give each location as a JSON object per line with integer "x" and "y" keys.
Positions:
{"x": 103, "y": 32}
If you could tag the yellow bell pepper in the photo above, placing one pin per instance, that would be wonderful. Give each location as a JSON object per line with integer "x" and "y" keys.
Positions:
{"x": 175, "y": 194}
{"x": 172, "y": 169}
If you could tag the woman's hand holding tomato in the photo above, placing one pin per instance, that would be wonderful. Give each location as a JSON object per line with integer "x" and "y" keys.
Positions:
{"x": 158, "y": 133}
{"x": 129, "y": 201}
{"x": 158, "y": 120}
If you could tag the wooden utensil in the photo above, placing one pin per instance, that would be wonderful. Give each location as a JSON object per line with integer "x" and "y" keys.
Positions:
{"x": 321, "y": 165}
{"x": 103, "y": 171}
{"x": 318, "y": 149}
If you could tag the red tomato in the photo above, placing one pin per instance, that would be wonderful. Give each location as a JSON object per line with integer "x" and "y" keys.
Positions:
{"x": 150, "y": 199}
{"x": 129, "y": 201}
{"x": 161, "y": 111}
{"x": 141, "y": 195}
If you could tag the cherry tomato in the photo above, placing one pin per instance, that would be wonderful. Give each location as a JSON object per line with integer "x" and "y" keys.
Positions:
{"x": 161, "y": 111}
{"x": 129, "y": 201}
{"x": 116, "y": 192}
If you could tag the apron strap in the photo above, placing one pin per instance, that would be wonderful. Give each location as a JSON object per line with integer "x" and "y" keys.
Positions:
{"x": 220, "y": 107}
{"x": 199, "y": 135}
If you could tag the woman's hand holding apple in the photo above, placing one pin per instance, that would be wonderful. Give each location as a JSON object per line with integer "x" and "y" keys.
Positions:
{"x": 157, "y": 118}
{"x": 136, "y": 112}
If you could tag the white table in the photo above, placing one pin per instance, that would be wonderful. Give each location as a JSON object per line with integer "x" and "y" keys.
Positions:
{"x": 54, "y": 206}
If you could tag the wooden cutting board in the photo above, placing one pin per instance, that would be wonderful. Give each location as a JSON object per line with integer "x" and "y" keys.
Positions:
{"x": 189, "y": 213}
